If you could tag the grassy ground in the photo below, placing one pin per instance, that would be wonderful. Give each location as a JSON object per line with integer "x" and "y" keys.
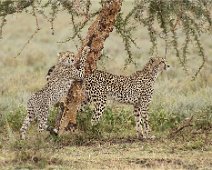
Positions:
{"x": 111, "y": 144}
{"x": 114, "y": 154}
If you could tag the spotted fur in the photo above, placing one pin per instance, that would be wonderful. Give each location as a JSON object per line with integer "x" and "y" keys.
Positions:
{"x": 136, "y": 89}
{"x": 66, "y": 58}
{"x": 59, "y": 82}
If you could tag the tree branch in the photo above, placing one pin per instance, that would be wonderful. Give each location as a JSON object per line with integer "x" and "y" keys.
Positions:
{"x": 97, "y": 34}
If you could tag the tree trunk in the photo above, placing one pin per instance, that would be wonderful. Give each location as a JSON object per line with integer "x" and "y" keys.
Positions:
{"x": 97, "y": 34}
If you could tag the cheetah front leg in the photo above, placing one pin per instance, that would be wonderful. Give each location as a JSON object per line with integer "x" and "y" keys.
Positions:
{"x": 138, "y": 122}
{"x": 146, "y": 127}
{"x": 145, "y": 120}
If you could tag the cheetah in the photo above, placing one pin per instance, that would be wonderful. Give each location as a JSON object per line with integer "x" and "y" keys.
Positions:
{"x": 59, "y": 82}
{"x": 66, "y": 58}
{"x": 136, "y": 89}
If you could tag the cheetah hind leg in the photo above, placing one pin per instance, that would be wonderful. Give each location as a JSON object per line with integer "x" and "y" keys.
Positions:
{"x": 146, "y": 127}
{"x": 27, "y": 121}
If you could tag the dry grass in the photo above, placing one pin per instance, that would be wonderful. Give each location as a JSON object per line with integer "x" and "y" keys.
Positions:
{"x": 176, "y": 97}
{"x": 114, "y": 154}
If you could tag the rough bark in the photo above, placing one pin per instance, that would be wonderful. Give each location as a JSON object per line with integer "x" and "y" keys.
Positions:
{"x": 97, "y": 34}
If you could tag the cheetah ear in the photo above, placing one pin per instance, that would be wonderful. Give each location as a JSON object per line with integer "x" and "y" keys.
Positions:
{"x": 151, "y": 60}
{"x": 59, "y": 54}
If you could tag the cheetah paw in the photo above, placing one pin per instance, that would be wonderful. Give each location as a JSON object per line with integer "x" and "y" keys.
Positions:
{"x": 150, "y": 137}
{"x": 53, "y": 131}
{"x": 145, "y": 137}
{"x": 72, "y": 127}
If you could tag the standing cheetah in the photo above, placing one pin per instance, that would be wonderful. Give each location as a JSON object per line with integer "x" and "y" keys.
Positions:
{"x": 59, "y": 82}
{"x": 136, "y": 90}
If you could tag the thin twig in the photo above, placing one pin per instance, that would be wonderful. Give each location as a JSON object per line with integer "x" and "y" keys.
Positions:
{"x": 3, "y": 21}
{"x": 35, "y": 15}
{"x": 183, "y": 125}
{"x": 202, "y": 54}
{"x": 176, "y": 23}
{"x": 77, "y": 28}
{"x": 28, "y": 41}
{"x": 53, "y": 16}
{"x": 166, "y": 47}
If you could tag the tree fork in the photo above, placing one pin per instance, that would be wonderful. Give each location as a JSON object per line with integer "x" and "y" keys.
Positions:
{"x": 97, "y": 34}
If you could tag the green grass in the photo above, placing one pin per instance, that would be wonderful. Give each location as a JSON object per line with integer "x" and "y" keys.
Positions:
{"x": 112, "y": 143}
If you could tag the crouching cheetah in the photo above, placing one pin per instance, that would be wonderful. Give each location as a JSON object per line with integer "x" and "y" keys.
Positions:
{"x": 59, "y": 82}
{"x": 136, "y": 90}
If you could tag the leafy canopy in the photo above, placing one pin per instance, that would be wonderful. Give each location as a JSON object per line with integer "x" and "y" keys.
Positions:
{"x": 162, "y": 18}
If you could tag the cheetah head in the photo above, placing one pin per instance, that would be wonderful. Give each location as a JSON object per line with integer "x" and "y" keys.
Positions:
{"x": 158, "y": 63}
{"x": 66, "y": 58}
